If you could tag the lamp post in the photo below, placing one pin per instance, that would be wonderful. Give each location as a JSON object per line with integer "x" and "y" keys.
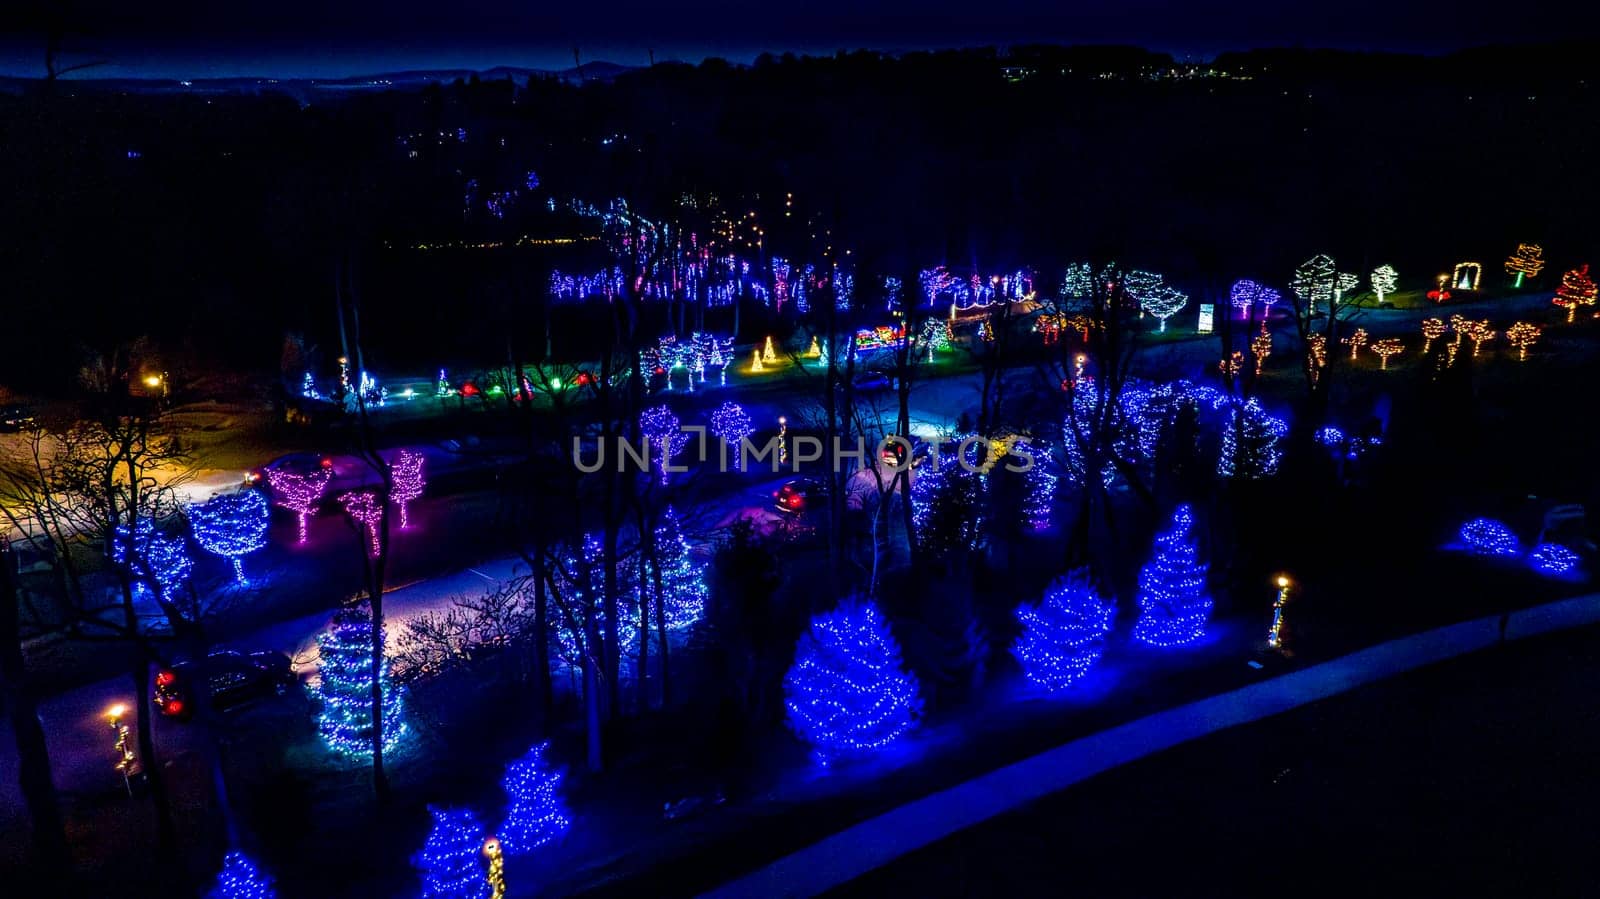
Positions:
{"x": 1275, "y": 636}
{"x": 127, "y": 760}
{"x": 497, "y": 867}
{"x": 783, "y": 443}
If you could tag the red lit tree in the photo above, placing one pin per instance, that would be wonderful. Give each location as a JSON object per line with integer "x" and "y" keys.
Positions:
{"x": 1577, "y": 289}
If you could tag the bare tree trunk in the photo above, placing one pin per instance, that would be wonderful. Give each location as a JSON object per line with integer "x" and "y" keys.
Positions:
{"x": 33, "y": 755}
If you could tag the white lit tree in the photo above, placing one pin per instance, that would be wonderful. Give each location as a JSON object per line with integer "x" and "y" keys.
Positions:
{"x": 1164, "y": 302}
{"x": 1384, "y": 279}
{"x": 1313, "y": 282}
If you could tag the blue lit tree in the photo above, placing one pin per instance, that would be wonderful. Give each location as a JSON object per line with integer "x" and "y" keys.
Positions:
{"x": 732, "y": 425}
{"x": 232, "y": 526}
{"x": 1173, "y": 605}
{"x": 345, "y": 692}
{"x": 450, "y": 861}
{"x": 1488, "y": 537}
{"x": 847, "y": 691}
{"x": 1065, "y": 633}
{"x": 1250, "y": 442}
{"x": 239, "y": 879}
{"x": 665, "y": 435}
{"x": 534, "y": 814}
{"x": 683, "y": 584}
{"x": 152, "y": 559}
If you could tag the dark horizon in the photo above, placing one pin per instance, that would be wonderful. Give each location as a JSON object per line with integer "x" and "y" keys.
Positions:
{"x": 295, "y": 40}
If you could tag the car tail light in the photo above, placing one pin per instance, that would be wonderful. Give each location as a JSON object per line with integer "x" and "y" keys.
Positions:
{"x": 795, "y": 500}
{"x": 327, "y": 462}
{"x": 173, "y": 707}
{"x": 165, "y": 678}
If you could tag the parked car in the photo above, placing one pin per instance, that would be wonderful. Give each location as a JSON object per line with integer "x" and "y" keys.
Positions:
{"x": 15, "y": 418}
{"x": 236, "y": 679}
{"x": 299, "y": 463}
{"x": 797, "y": 495}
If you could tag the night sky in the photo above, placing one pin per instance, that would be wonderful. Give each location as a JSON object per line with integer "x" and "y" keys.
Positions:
{"x": 323, "y": 38}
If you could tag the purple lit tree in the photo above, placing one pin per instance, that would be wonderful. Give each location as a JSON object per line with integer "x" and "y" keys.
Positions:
{"x": 1246, "y": 293}
{"x": 232, "y": 526}
{"x": 366, "y": 509}
{"x": 406, "y": 475}
{"x": 299, "y": 492}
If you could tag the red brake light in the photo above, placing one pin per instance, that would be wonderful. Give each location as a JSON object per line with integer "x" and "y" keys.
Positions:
{"x": 327, "y": 462}
{"x": 165, "y": 678}
{"x": 173, "y": 707}
{"x": 795, "y": 500}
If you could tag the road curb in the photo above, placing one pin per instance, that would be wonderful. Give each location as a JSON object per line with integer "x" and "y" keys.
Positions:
{"x": 871, "y": 844}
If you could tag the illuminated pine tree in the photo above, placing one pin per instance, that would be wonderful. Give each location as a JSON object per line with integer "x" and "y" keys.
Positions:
{"x": 1064, "y": 635}
{"x": 450, "y": 861}
{"x": 1384, "y": 278}
{"x": 232, "y": 526}
{"x": 847, "y": 691}
{"x": 534, "y": 812}
{"x": 345, "y": 688}
{"x": 683, "y": 585}
{"x": 1577, "y": 289}
{"x": 239, "y": 879}
{"x": 1173, "y": 605}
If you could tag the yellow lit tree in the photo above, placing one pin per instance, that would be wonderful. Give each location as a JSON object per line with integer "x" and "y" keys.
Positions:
{"x": 1523, "y": 336}
{"x": 1481, "y": 333}
{"x": 1385, "y": 348}
{"x": 1432, "y": 329}
{"x": 1261, "y": 347}
{"x": 1356, "y": 341}
{"x": 1526, "y": 262}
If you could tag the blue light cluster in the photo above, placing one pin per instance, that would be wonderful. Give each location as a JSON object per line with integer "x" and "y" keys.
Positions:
{"x": 1064, "y": 634}
{"x": 731, "y": 424}
{"x": 683, "y": 584}
{"x": 1487, "y": 537}
{"x": 1250, "y": 443}
{"x": 450, "y": 860}
{"x": 847, "y": 691}
{"x": 534, "y": 813}
{"x": 1173, "y": 605}
{"x": 665, "y": 434}
{"x": 345, "y": 691}
{"x": 581, "y": 591}
{"x": 1553, "y": 559}
{"x": 232, "y": 526}
{"x": 1330, "y": 437}
{"x": 153, "y": 560}
{"x": 239, "y": 879}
